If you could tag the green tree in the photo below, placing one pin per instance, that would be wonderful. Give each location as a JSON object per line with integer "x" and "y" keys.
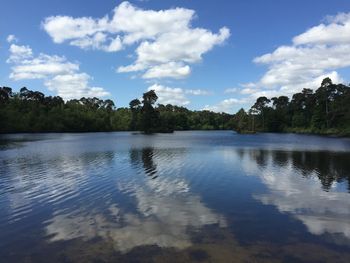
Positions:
{"x": 241, "y": 121}
{"x": 260, "y": 107}
{"x": 135, "y": 107}
{"x": 149, "y": 116}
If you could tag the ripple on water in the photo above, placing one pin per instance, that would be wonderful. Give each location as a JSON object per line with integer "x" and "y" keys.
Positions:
{"x": 186, "y": 195}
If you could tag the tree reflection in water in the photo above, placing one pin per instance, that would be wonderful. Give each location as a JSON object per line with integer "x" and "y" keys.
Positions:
{"x": 162, "y": 212}
{"x": 144, "y": 156}
{"x": 148, "y": 163}
{"x": 309, "y": 185}
{"x": 329, "y": 167}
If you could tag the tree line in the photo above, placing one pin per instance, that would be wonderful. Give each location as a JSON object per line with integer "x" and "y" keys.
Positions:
{"x": 167, "y": 118}
{"x": 32, "y": 111}
{"x": 325, "y": 111}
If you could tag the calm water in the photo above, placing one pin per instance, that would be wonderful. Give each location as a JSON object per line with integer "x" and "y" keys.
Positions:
{"x": 187, "y": 196}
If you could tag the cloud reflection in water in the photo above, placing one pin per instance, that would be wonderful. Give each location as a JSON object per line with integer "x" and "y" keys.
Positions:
{"x": 304, "y": 184}
{"x": 164, "y": 211}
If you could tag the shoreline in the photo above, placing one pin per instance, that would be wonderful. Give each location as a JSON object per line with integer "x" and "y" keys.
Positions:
{"x": 300, "y": 132}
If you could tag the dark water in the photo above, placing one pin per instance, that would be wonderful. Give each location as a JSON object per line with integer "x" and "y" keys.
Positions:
{"x": 183, "y": 197}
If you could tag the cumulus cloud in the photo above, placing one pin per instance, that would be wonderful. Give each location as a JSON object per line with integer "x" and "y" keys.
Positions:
{"x": 41, "y": 66}
{"x": 167, "y": 95}
{"x": 177, "y": 48}
{"x": 227, "y": 105}
{"x": 74, "y": 85}
{"x": 11, "y": 38}
{"x": 96, "y": 42}
{"x": 172, "y": 69}
{"x": 176, "y": 96}
{"x": 167, "y": 43}
{"x": 59, "y": 74}
{"x": 315, "y": 54}
{"x": 19, "y": 53}
{"x": 131, "y": 23}
{"x": 335, "y": 31}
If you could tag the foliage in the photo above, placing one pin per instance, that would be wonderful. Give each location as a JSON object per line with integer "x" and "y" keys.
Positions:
{"x": 32, "y": 111}
{"x": 325, "y": 111}
{"x": 167, "y": 118}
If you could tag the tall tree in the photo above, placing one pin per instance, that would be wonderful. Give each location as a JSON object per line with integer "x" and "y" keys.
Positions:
{"x": 149, "y": 116}
{"x": 135, "y": 106}
{"x": 260, "y": 107}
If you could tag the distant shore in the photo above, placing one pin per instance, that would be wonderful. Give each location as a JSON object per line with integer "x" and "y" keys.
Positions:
{"x": 329, "y": 132}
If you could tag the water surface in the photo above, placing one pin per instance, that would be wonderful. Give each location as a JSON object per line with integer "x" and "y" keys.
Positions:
{"x": 182, "y": 197}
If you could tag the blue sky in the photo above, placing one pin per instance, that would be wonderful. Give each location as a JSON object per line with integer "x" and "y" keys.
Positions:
{"x": 217, "y": 55}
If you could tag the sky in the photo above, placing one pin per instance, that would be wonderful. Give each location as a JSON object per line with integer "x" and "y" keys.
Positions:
{"x": 216, "y": 55}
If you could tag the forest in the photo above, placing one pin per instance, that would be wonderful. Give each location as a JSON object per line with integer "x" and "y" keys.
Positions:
{"x": 325, "y": 111}
{"x": 32, "y": 111}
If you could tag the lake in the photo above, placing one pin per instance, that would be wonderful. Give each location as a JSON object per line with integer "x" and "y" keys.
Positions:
{"x": 195, "y": 196}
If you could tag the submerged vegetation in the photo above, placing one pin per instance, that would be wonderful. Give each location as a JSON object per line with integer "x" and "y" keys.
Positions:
{"x": 325, "y": 111}
{"x": 32, "y": 111}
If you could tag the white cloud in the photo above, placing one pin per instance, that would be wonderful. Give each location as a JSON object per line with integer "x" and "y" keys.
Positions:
{"x": 41, "y": 67}
{"x": 18, "y": 53}
{"x": 115, "y": 45}
{"x": 177, "y": 48}
{"x": 197, "y": 92}
{"x": 58, "y": 73}
{"x": 248, "y": 91}
{"x": 62, "y": 28}
{"x": 336, "y": 31}
{"x": 97, "y": 42}
{"x": 175, "y": 96}
{"x": 170, "y": 70}
{"x": 168, "y": 43}
{"x": 231, "y": 90}
{"x": 315, "y": 54}
{"x": 11, "y": 39}
{"x": 296, "y": 67}
{"x": 74, "y": 85}
{"x": 167, "y": 95}
{"x": 138, "y": 24}
{"x": 227, "y": 105}
{"x": 131, "y": 23}
{"x": 245, "y": 89}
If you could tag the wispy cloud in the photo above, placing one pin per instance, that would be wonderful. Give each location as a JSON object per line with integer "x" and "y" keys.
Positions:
{"x": 231, "y": 90}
